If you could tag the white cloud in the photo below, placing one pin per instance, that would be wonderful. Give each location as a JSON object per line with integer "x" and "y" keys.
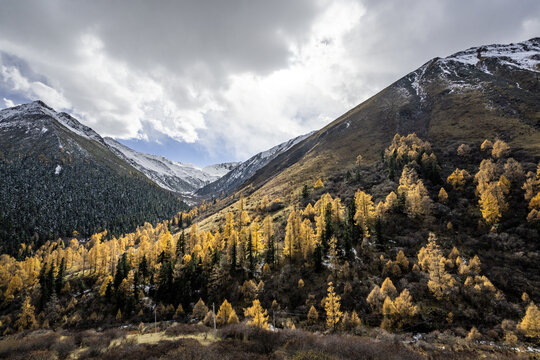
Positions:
{"x": 33, "y": 89}
{"x": 261, "y": 111}
{"x": 8, "y": 103}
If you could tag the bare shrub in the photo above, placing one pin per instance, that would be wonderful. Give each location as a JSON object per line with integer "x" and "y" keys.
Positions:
{"x": 180, "y": 329}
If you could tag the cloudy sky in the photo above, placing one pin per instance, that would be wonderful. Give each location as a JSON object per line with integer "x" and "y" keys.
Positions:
{"x": 212, "y": 81}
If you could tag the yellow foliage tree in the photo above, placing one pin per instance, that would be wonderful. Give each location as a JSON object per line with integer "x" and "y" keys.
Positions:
{"x": 258, "y": 316}
{"x": 365, "y": 211}
{"x": 486, "y": 145}
{"x": 179, "y": 311}
{"x": 27, "y": 319}
{"x": 224, "y": 313}
{"x": 312, "y": 315}
{"x": 398, "y": 312}
{"x": 441, "y": 283}
{"x": 388, "y": 289}
{"x": 500, "y": 149}
{"x": 332, "y": 307}
{"x": 103, "y": 288}
{"x": 233, "y": 319}
{"x": 443, "y": 196}
{"x": 530, "y": 324}
{"x": 318, "y": 184}
{"x": 375, "y": 298}
{"x": 402, "y": 261}
{"x": 489, "y": 206}
{"x": 535, "y": 202}
{"x": 458, "y": 179}
{"x": 200, "y": 310}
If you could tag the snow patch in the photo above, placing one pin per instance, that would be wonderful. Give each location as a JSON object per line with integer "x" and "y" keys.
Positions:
{"x": 417, "y": 82}
{"x": 170, "y": 175}
{"x": 57, "y": 169}
{"x": 524, "y": 55}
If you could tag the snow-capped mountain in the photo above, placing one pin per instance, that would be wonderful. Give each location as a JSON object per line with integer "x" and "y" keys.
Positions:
{"x": 57, "y": 175}
{"x": 485, "y": 92}
{"x": 220, "y": 170}
{"x": 36, "y": 126}
{"x": 171, "y": 175}
{"x": 239, "y": 174}
{"x": 468, "y": 69}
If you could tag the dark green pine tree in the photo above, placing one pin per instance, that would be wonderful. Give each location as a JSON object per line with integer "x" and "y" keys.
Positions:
{"x": 318, "y": 256}
{"x": 251, "y": 260}
{"x": 233, "y": 257}
{"x": 305, "y": 192}
{"x": 136, "y": 285}
{"x": 45, "y": 290}
{"x": 51, "y": 283}
{"x": 271, "y": 252}
{"x": 143, "y": 268}
{"x": 122, "y": 270}
{"x": 165, "y": 282}
{"x": 59, "y": 283}
{"x": 181, "y": 245}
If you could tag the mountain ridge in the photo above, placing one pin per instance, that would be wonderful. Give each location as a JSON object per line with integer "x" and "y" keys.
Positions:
{"x": 58, "y": 176}
{"x": 415, "y": 103}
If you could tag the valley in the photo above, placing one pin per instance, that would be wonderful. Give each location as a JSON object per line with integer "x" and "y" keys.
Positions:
{"x": 408, "y": 227}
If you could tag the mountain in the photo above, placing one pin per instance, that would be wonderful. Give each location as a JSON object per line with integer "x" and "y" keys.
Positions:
{"x": 170, "y": 175}
{"x": 220, "y": 170}
{"x": 432, "y": 237}
{"x": 483, "y": 92}
{"x": 243, "y": 171}
{"x": 57, "y": 176}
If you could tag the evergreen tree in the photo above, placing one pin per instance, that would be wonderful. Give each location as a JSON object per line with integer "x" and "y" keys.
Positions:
{"x": 143, "y": 268}
{"x": 271, "y": 251}
{"x": 45, "y": 290}
{"x": 318, "y": 256}
{"x": 165, "y": 281}
{"x": 305, "y": 192}
{"x": 251, "y": 260}
{"x": 59, "y": 282}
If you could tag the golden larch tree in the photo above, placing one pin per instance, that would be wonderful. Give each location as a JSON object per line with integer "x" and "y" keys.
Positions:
{"x": 312, "y": 315}
{"x": 27, "y": 319}
{"x": 224, "y": 313}
{"x": 530, "y": 324}
{"x": 365, "y": 211}
{"x": 332, "y": 304}
{"x": 258, "y": 317}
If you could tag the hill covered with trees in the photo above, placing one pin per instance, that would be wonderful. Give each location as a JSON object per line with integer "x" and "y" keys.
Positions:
{"x": 412, "y": 221}
{"x": 403, "y": 249}
{"x": 58, "y": 177}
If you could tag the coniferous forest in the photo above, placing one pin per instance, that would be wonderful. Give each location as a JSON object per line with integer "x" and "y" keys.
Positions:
{"x": 285, "y": 180}
{"x": 40, "y": 205}
{"x": 385, "y": 250}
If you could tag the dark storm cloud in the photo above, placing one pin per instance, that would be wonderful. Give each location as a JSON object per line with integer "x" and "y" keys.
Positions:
{"x": 226, "y": 36}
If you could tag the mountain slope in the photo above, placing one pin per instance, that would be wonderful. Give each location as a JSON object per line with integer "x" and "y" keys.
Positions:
{"x": 484, "y": 92}
{"x": 57, "y": 176}
{"x": 219, "y": 170}
{"x": 242, "y": 172}
{"x": 170, "y": 175}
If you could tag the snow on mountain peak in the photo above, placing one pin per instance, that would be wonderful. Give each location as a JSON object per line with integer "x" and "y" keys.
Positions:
{"x": 171, "y": 175}
{"x": 524, "y": 55}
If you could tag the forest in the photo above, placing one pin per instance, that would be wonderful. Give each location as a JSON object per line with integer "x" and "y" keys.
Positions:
{"x": 400, "y": 246}
{"x": 39, "y": 204}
